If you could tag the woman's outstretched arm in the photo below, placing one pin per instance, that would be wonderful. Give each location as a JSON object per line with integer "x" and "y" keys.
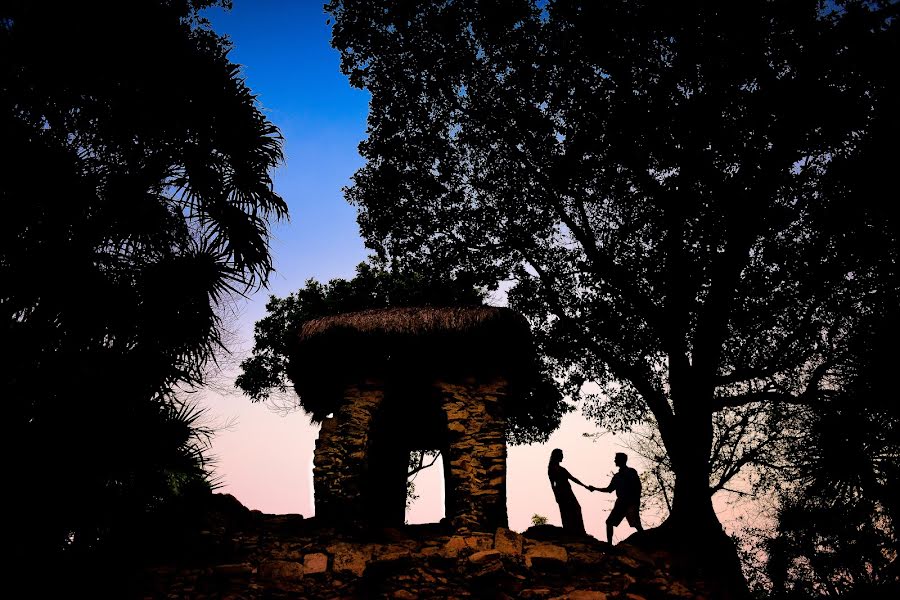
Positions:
{"x": 575, "y": 479}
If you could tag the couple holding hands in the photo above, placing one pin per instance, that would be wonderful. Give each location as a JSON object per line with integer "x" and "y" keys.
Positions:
{"x": 626, "y": 483}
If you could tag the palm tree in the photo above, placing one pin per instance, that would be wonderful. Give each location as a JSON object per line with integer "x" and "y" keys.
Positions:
{"x": 138, "y": 200}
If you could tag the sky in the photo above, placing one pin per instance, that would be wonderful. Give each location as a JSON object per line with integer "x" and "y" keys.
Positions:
{"x": 264, "y": 457}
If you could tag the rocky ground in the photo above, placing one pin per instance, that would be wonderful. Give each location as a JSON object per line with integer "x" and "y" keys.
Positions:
{"x": 250, "y": 555}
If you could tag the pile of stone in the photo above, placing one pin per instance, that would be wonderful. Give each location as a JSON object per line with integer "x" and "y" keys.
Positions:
{"x": 286, "y": 556}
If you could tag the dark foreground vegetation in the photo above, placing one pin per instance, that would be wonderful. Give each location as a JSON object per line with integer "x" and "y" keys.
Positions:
{"x": 135, "y": 183}
{"x": 691, "y": 203}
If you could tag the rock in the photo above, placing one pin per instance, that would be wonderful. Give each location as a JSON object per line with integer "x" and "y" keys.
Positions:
{"x": 582, "y": 595}
{"x": 544, "y": 532}
{"x": 455, "y": 412}
{"x": 456, "y": 426}
{"x": 485, "y": 563}
{"x": 635, "y": 553}
{"x": 535, "y": 593}
{"x": 350, "y": 557}
{"x": 479, "y": 542}
{"x": 281, "y": 570}
{"x": 389, "y": 557}
{"x": 508, "y": 542}
{"x": 453, "y": 546}
{"x": 586, "y": 595}
{"x": 677, "y": 590}
{"x": 316, "y": 562}
{"x": 545, "y": 554}
{"x": 588, "y": 559}
{"x": 628, "y": 562}
{"x": 458, "y": 544}
{"x": 416, "y": 563}
{"x": 485, "y": 556}
{"x": 390, "y": 552}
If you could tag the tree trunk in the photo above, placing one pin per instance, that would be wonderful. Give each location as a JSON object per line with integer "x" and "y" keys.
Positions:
{"x": 692, "y": 533}
{"x": 692, "y": 508}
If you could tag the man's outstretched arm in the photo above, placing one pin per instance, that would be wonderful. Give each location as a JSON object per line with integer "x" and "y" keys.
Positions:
{"x": 611, "y": 487}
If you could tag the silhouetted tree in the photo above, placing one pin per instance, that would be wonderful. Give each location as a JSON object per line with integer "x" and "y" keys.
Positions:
{"x": 264, "y": 375}
{"x": 655, "y": 177}
{"x": 837, "y": 528}
{"x": 827, "y": 467}
{"x": 137, "y": 199}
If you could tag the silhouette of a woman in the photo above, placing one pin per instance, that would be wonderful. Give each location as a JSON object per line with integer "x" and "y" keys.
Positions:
{"x": 569, "y": 509}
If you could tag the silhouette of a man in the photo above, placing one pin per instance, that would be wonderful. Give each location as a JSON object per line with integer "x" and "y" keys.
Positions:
{"x": 627, "y": 485}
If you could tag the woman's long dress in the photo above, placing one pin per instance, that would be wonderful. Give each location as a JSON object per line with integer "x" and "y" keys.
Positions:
{"x": 569, "y": 509}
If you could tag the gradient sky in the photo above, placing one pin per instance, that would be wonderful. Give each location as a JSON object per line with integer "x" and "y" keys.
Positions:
{"x": 265, "y": 458}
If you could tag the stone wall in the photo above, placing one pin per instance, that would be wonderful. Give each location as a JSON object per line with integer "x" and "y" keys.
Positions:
{"x": 341, "y": 455}
{"x": 354, "y": 487}
{"x": 477, "y": 453}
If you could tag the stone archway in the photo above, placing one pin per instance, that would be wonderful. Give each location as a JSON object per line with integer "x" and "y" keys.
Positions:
{"x": 361, "y": 454}
{"x": 409, "y": 418}
{"x": 390, "y": 381}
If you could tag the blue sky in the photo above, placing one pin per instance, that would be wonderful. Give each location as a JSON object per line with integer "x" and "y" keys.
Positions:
{"x": 283, "y": 48}
{"x": 265, "y": 458}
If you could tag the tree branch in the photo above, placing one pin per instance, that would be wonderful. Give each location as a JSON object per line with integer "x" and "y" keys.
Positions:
{"x": 811, "y": 394}
{"x": 654, "y": 398}
{"x": 604, "y": 267}
{"x": 421, "y": 466}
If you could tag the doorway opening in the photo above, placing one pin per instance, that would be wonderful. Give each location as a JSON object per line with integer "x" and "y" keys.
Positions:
{"x": 425, "y": 487}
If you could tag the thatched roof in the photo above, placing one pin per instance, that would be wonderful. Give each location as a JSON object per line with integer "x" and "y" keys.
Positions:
{"x": 411, "y": 342}
{"x": 416, "y": 321}
{"x": 400, "y": 345}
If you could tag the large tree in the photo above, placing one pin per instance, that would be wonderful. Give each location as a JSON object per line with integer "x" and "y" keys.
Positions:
{"x": 839, "y": 520}
{"x": 137, "y": 198}
{"x": 668, "y": 185}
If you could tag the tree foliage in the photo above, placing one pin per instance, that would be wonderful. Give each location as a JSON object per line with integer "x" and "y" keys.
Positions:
{"x": 837, "y": 527}
{"x": 688, "y": 197}
{"x": 137, "y": 194}
{"x": 264, "y": 375}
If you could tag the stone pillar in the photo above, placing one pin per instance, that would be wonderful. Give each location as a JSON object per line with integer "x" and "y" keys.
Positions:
{"x": 340, "y": 460}
{"x": 476, "y": 478}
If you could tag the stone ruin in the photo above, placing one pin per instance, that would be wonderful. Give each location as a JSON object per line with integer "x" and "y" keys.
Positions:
{"x": 387, "y": 382}
{"x": 383, "y": 383}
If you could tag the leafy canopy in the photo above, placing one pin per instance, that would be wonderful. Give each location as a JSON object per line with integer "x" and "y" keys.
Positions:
{"x": 688, "y": 198}
{"x": 265, "y": 374}
{"x": 136, "y": 187}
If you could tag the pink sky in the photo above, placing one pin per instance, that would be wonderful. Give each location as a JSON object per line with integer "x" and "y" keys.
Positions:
{"x": 266, "y": 461}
